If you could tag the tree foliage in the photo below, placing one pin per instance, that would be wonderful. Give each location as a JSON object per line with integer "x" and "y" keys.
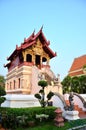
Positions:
{"x": 42, "y": 83}
{"x": 2, "y": 93}
{"x": 2, "y": 81}
{"x": 2, "y": 89}
{"x": 66, "y": 84}
{"x": 82, "y": 80}
{"x": 75, "y": 84}
{"x": 41, "y": 95}
{"x": 49, "y": 95}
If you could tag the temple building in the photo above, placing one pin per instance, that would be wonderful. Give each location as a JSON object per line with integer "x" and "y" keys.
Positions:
{"x": 28, "y": 64}
{"x": 78, "y": 66}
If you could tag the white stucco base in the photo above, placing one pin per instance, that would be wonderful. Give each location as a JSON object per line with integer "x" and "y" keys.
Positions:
{"x": 20, "y": 101}
{"x": 72, "y": 115}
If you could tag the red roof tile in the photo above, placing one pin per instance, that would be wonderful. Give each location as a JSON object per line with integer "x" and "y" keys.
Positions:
{"x": 32, "y": 40}
{"x": 76, "y": 73}
{"x": 78, "y": 63}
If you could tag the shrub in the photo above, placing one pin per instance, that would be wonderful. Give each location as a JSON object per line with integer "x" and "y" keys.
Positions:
{"x": 11, "y": 115}
{"x": 2, "y": 93}
{"x": 41, "y": 95}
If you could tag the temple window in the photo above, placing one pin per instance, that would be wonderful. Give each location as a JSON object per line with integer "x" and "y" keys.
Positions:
{"x": 10, "y": 85}
{"x": 37, "y": 60}
{"x": 29, "y": 58}
{"x": 19, "y": 83}
{"x": 7, "y": 86}
{"x": 14, "y": 84}
{"x": 44, "y": 60}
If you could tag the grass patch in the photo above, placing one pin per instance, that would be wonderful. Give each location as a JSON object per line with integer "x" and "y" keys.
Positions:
{"x": 47, "y": 126}
{"x": 10, "y": 119}
{"x": 51, "y": 126}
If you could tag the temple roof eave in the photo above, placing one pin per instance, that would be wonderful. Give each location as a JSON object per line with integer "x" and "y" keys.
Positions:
{"x": 78, "y": 63}
{"x": 7, "y": 65}
{"x": 11, "y": 55}
{"x": 32, "y": 40}
{"x": 50, "y": 52}
{"x": 14, "y": 53}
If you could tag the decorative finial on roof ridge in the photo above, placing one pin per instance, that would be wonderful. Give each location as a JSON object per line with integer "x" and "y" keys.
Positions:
{"x": 33, "y": 31}
{"x": 24, "y": 39}
{"x": 48, "y": 42}
{"x": 7, "y": 57}
{"x": 16, "y": 46}
{"x": 41, "y": 28}
{"x": 55, "y": 53}
{"x": 4, "y": 65}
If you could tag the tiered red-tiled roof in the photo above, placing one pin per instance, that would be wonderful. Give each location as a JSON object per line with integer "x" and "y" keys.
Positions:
{"x": 77, "y": 66}
{"x": 32, "y": 40}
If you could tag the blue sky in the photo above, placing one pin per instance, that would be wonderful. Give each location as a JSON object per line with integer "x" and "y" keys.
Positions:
{"x": 64, "y": 24}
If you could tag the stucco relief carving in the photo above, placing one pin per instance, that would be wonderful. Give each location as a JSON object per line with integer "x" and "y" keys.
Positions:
{"x": 28, "y": 51}
{"x": 36, "y": 49}
{"x": 45, "y": 55}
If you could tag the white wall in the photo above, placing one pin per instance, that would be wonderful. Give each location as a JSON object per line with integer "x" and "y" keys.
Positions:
{"x": 20, "y": 101}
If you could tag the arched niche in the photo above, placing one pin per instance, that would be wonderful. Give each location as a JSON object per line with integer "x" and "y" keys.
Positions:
{"x": 29, "y": 58}
{"x": 37, "y": 59}
{"x": 44, "y": 60}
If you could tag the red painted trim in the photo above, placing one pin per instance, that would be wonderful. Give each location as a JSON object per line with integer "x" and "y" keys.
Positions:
{"x": 45, "y": 66}
{"x": 76, "y": 73}
{"x": 26, "y": 64}
{"x": 78, "y": 63}
{"x": 27, "y": 45}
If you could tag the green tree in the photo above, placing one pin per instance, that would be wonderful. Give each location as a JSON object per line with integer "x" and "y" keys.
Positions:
{"x": 82, "y": 85}
{"x": 75, "y": 84}
{"x": 66, "y": 84}
{"x": 2, "y": 93}
{"x": 41, "y": 95}
{"x": 2, "y": 81}
{"x": 2, "y": 89}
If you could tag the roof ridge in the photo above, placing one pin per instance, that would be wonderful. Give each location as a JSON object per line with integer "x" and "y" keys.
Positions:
{"x": 80, "y": 56}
